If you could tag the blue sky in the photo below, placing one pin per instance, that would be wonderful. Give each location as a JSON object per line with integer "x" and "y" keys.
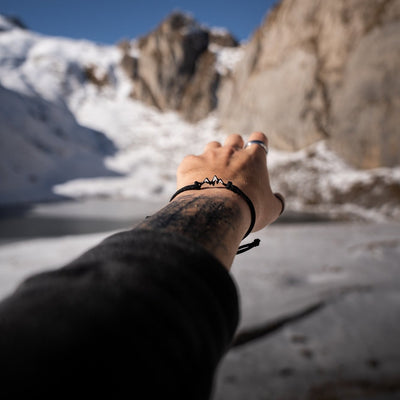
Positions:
{"x": 109, "y": 21}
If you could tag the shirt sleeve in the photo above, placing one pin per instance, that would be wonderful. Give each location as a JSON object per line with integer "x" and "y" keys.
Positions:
{"x": 151, "y": 313}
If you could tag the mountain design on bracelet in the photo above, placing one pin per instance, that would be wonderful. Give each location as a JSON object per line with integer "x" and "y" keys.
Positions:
{"x": 215, "y": 180}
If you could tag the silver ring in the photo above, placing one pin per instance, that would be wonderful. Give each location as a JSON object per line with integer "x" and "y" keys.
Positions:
{"x": 259, "y": 142}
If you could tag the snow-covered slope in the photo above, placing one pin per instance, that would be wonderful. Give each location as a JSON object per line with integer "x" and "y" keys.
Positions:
{"x": 69, "y": 127}
{"x": 65, "y": 77}
{"x": 42, "y": 145}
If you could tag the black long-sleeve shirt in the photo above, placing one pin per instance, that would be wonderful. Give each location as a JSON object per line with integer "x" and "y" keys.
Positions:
{"x": 143, "y": 315}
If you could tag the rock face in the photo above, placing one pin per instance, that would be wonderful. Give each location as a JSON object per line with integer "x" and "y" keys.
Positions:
{"x": 322, "y": 70}
{"x": 174, "y": 70}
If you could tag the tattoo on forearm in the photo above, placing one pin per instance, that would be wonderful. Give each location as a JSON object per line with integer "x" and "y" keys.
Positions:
{"x": 202, "y": 218}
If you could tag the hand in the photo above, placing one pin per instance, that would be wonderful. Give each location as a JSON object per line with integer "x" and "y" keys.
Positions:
{"x": 246, "y": 168}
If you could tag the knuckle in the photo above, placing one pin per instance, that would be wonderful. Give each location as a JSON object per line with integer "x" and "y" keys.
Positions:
{"x": 187, "y": 162}
{"x": 190, "y": 158}
{"x": 227, "y": 151}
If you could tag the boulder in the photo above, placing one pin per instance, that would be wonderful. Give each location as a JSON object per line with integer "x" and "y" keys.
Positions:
{"x": 322, "y": 70}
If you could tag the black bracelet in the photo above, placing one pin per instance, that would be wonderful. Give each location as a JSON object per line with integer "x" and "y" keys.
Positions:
{"x": 230, "y": 186}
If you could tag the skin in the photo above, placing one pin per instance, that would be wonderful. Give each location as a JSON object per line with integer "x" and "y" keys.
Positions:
{"x": 215, "y": 217}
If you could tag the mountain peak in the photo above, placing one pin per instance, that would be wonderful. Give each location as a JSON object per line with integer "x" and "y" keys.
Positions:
{"x": 177, "y": 68}
{"x": 8, "y": 23}
{"x": 178, "y": 20}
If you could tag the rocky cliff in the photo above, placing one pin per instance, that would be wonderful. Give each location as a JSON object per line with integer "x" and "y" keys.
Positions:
{"x": 173, "y": 67}
{"x": 322, "y": 70}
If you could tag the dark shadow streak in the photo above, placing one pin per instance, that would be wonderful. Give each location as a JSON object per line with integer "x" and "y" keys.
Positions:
{"x": 248, "y": 335}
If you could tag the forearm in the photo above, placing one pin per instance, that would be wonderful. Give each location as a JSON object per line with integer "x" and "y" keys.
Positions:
{"x": 214, "y": 218}
{"x": 144, "y": 309}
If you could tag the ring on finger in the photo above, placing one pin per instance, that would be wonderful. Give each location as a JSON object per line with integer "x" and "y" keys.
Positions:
{"x": 258, "y": 142}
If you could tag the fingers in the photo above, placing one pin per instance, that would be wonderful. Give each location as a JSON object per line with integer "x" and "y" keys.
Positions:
{"x": 234, "y": 141}
{"x": 212, "y": 145}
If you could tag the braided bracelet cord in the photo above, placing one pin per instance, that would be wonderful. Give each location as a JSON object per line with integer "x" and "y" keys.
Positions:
{"x": 230, "y": 186}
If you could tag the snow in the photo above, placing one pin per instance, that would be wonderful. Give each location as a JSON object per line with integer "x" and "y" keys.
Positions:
{"x": 315, "y": 179}
{"x": 19, "y": 260}
{"x": 219, "y": 31}
{"x": 151, "y": 148}
{"x": 42, "y": 145}
{"x": 227, "y": 57}
{"x": 150, "y": 144}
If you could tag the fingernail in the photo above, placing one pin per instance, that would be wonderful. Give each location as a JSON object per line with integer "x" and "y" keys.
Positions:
{"x": 282, "y": 200}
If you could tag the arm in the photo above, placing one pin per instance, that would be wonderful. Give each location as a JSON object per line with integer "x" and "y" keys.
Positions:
{"x": 147, "y": 310}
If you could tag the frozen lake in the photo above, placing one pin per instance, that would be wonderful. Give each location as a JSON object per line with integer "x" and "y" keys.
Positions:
{"x": 320, "y": 300}
{"x": 71, "y": 218}
{"x": 89, "y": 216}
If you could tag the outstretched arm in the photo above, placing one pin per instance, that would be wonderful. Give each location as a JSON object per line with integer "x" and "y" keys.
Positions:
{"x": 147, "y": 311}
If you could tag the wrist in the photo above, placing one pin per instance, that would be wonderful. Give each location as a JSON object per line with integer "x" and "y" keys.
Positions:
{"x": 231, "y": 192}
{"x": 230, "y": 200}
{"x": 215, "y": 218}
